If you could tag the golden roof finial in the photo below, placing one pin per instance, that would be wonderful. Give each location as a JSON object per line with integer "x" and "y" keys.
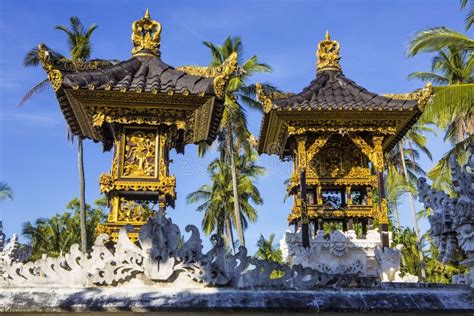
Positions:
{"x": 146, "y": 36}
{"x": 328, "y": 54}
{"x": 147, "y": 14}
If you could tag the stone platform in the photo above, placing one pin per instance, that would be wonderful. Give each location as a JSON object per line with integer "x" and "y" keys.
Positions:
{"x": 409, "y": 298}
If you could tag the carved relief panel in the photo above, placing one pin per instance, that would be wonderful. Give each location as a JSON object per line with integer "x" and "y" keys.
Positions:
{"x": 139, "y": 153}
{"x": 339, "y": 158}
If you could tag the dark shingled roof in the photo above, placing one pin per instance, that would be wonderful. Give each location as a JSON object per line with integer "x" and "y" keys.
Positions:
{"x": 146, "y": 74}
{"x": 331, "y": 90}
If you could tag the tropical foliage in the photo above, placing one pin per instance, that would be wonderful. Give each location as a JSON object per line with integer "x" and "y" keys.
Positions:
{"x": 5, "y": 192}
{"x": 412, "y": 263}
{"x": 267, "y": 251}
{"x": 78, "y": 40}
{"x": 452, "y": 106}
{"x": 217, "y": 198}
{"x": 234, "y": 134}
{"x": 56, "y": 234}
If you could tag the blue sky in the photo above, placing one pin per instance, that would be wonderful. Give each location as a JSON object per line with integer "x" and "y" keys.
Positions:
{"x": 41, "y": 166}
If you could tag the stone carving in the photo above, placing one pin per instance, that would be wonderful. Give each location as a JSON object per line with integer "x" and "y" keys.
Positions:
{"x": 11, "y": 251}
{"x": 338, "y": 243}
{"x": 452, "y": 221}
{"x": 342, "y": 252}
{"x": 160, "y": 257}
{"x": 389, "y": 262}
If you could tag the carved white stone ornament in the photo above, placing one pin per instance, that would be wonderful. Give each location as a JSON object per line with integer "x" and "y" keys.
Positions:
{"x": 160, "y": 258}
{"x": 452, "y": 221}
{"x": 341, "y": 252}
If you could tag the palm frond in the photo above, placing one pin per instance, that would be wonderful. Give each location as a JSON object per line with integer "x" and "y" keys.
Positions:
{"x": 35, "y": 90}
{"x": 5, "y": 192}
{"x": 434, "y": 39}
{"x": 428, "y": 77}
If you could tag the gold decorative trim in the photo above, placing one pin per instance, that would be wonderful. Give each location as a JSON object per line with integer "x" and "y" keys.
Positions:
{"x": 315, "y": 212}
{"x": 99, "y": 118}
{"x": 266, "y": 98}
{"x": 221, "y": 73}
{"x": 423, "y": 96}
{"x": 166, "y": 185}
{"x": 294, "y": 130}
{"x": 55, "y": 76}
{"x": 267, "y": 103}
{"x": 375, "y": 153}
{"x": 382, "y": 214}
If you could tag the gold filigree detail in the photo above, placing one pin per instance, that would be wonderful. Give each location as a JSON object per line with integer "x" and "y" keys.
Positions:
{"x": 98, "y": 119}
{"x": 139, "y": 155}
{"x": 166, "y": 185}
{"x": 55, "y": 76}
{"x": 375, "y": 153}
{"x": 296, "y": 130}
{"x": 221, "y": 73}
{"x": 266, "y": 101}
{"x": 266, "y": 98}
{"x": 315, "y": 212}
{"x": 382, "y": 214}
{"x": 132, "y": 212}
{"x": 423, "y": 96}
{"x": 328, "y": 54}
{"x": 301, "y": 153}
{"x": 163, "y": 170}
{"x": 146, "y": 36}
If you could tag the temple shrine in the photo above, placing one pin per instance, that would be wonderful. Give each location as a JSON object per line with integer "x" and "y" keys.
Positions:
{"x": 141, "y": 108}
{"x": 336, "y": 134}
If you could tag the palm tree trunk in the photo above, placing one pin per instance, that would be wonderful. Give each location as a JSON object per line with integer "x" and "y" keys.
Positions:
{"x": 231, "y": 156}
{"x": 230, "y": 234}
{"x": 397, "y": 218}
{"x": 82, "y": 197}
{"x": 459, "y": 128}
{"x": 413, "y": 209}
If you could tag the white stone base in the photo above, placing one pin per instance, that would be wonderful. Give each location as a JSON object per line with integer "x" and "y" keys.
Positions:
{"x": 342, "y": 252}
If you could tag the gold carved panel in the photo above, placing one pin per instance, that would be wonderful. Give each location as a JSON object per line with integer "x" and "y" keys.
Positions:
{"x": 140, "y": 150}
{"x": 338, "y": 159}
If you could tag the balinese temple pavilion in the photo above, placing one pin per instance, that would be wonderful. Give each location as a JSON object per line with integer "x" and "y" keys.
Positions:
{"x": 141, "y": 108}
{"x": 336, "y": 133}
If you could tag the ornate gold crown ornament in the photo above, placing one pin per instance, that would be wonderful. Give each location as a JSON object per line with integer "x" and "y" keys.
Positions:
{"x": 328, "y": 54}
{"x": 146, "y": 36}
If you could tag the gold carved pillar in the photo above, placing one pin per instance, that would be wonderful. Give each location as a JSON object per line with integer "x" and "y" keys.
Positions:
{"x": 348, "y": 195}
{"x": 375, "y": 155}
{"x": 139, "y": 175}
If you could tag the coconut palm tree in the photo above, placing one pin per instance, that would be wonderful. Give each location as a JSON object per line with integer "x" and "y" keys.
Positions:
{"x": 453, "y": 102}
{"x": 233, "y": 128}
{"x": 218, "y": 199}
{"x": 403, "y": 173}
{"x": 470, "y": 14}
{"x": 78, "y": 39}
{"x": 5, "y": 192}
{"x": 55, "y": 235}
{"x": 267, "y": 251}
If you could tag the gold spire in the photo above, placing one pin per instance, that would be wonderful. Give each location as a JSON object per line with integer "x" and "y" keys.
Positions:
{"x": 146, "y": 36}
{"x": 328, "y": 54}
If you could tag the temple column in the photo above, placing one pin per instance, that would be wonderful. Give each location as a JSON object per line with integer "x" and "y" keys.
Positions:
{"x": 348, "y": 195}
{"x": 302, "y": 163}
{"x": 382, "y": 201}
